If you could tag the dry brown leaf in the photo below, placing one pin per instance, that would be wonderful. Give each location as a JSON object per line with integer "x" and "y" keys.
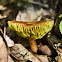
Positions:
{"x": 1, "y": 17}
{"x": 6, "y": 12}
{"x": 3, "y": 51}
{"x": 10, "y": 59}
{"x": 2, "y": 7}
{"x": 11, "y": 1}
{"x": 45, "y": 50}
{"x": 59, "y": 51}
{"x": 30, "y": 15}
{"x": 58, "y": 59}
{"x": 43, "y": 58}
{"x": 21, "y": 53}
{"x": 10, "y": 42}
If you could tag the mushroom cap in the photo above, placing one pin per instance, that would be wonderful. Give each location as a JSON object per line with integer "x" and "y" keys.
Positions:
{"x": 31, "y": 30}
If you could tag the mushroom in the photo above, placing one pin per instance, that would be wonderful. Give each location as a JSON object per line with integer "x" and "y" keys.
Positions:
{"x": 31, "y": 30}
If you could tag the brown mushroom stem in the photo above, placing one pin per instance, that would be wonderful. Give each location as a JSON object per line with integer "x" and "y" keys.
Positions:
{"x": 33, "y": 45}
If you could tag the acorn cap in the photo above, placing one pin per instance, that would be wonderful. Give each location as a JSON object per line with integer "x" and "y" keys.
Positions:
{"x": 31, "y": 30}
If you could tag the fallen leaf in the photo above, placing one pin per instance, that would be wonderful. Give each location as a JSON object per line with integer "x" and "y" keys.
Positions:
{"x": 43, "y": 58}
{"x": 10, "y": 42}
{"x": 45, "y": 50}
{"x": 3, "y": 51}
{"x": 30, "y": 15}
{"x": 2, "y": 7}
{"x": 1, "y": 17}
{"x": 59, "y": 51}
{"x": 10, "y": 59}
{"x": 7, "y": 12}
{"x": 22, "y": 54}
{"x": 58, "y": 59}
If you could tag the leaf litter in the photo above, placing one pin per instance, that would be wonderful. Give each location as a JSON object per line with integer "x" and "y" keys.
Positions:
{"x": 17, "y": 51}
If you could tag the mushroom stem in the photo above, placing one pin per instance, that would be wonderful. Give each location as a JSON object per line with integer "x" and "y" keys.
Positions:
{"x": 33, "y": 45}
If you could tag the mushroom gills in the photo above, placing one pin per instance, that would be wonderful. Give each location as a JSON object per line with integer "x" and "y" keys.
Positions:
{"x": 35, "y": 31}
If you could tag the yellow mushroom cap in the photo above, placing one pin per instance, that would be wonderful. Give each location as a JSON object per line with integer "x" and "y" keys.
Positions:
{"x": 31, "y": 30}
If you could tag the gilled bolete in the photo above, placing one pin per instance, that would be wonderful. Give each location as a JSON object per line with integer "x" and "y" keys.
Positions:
{"x": 31, "y": 30}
